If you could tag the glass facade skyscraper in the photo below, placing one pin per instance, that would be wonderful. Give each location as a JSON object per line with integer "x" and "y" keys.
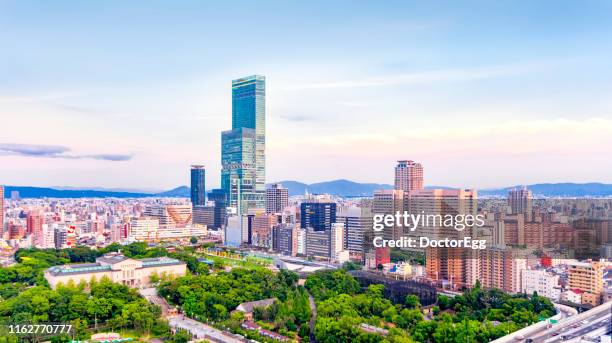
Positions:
{"x": 198, "y": 185}
{"x": 318, "y": 216}
{"x": 243, "y": 174}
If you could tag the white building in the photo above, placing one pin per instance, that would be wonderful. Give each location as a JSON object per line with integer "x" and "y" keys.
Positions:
{"x": 117, "y": 268}
{"x": 236, "y": 231}
{"x": 572, "y": 296}
{"x": 301, "y": 242}
{"x": 542, "y": 282}
{"x": 144, "y": 229}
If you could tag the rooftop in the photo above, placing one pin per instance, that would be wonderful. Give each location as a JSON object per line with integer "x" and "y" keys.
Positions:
{"x": 248, "y": 307}
{"x": 105, "y": 262}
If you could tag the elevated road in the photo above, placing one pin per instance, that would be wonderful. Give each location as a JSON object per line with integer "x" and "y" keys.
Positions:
{"x": 564, "y": 326}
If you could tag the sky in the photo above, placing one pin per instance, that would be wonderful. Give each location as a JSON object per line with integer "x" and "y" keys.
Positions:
{"x": 484, "y": 94}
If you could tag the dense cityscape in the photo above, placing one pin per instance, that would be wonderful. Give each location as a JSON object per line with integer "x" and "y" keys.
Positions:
{"x": 249, "y": 262}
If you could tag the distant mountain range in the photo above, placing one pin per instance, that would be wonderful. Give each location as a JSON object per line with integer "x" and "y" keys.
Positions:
{"x": 594, "y": 189}
{"x": 43, "y": 192}
{"x": 336, "y": 187}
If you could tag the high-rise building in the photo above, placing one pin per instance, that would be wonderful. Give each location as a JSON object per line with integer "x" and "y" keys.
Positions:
{"x": 218, "y": 197}
{"x": 35, "y": 221}
{"x": 236, "y": 230}
{"x": 408, "y": 176}
{"x": 520, "y": 200}
{"x": 317, "y": 215}
{"x": 277, "y": 198}
{"x": 389, "y": 202}
{"x": 243, "y": 174}
{"x": 443, "y": 263}
{"x": 325, "y": 243}
{"x": 261, "y": 225}
{"x": 198, "y": 185}
{"x": 587, "y": 277}
{"x": 285, "y": 239}
{"x": 204, "y": 215}
{"x": 356, "y": 220}
{"x": 493, "y": 267}
{"x": 60, "y": 237}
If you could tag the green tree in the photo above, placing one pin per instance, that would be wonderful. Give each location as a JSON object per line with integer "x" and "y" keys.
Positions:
{"x": 412, "y": 301}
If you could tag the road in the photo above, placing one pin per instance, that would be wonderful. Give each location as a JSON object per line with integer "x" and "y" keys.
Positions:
{"x": 201, "y": 330}
{"x": 313, "y": 317}
{"x": 197, "y": 329}
{"x": 578, "y": 330}
{"x": 569, "y": 327}
{"x": 566, "y": 316}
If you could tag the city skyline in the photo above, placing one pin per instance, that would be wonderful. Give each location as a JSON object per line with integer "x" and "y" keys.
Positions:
{"x": 101, "y": 98}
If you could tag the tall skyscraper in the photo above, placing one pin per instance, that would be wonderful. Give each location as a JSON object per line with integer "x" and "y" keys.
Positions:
{"x": 317, "y": 215}
{"x": 408, "y": 176}
{"x": 243, "y": 173}
{"x": 198, "y": 185}
{"x": 277, "y": 198}
{"x": 520, "y": 200}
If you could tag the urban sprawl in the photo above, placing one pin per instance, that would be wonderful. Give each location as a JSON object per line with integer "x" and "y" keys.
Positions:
{"x": 250, "y": 262}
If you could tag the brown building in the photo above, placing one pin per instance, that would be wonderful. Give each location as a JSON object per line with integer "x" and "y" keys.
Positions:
{"x": 587, "y": 277}
{"x": 408, "y": 176}
{"x": 496, "y": 268}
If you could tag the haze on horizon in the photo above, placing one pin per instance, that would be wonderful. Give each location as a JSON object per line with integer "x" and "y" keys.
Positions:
{"x": 130, "y": 94}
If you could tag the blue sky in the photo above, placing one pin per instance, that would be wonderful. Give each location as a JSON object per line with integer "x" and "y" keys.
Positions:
{"x": 484, "y": 94}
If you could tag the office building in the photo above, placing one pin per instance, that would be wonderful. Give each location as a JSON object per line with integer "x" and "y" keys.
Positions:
{"x": 408, "y": 176}
{"x": 204, "y": 215}
{"x": 217, "y": 196}
{"x": 317, "y": 215}
{"x": 357, "y": 221}
{"x": 277, "y": 198}
{"x": 198, "y": 185}
{"x": 285, "y": 239}
{"x": 326, "y": 244}
{"x": 243, "y": 174}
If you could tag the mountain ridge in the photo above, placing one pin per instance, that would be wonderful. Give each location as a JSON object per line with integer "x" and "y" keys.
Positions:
{"x": 340, "y": 187}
